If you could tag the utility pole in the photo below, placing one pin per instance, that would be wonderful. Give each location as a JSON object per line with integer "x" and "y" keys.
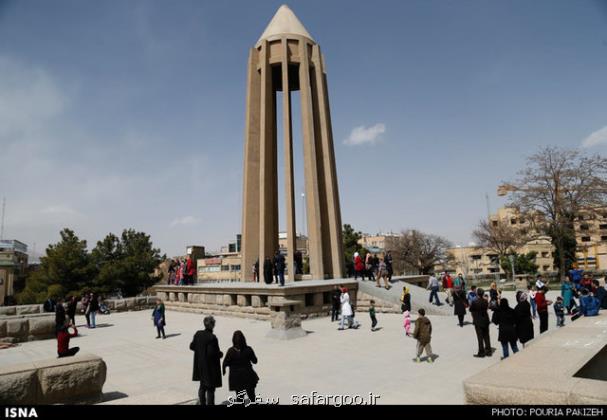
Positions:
{"x": 2, "y": 222}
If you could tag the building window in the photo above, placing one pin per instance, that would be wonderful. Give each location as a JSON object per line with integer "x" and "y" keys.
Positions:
{"x": 494, "y": 223}
{"x": 604, "y": 238}
{"x": 602, "y": 227}
{"x": 584, "y": 227}
{"x": 545, "y": 255}
{"x": 586, "y": 239}
{"x": 545, "y": 267}
{"x": 513, "y": 221}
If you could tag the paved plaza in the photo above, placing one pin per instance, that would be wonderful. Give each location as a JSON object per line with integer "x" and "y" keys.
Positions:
{"x": 144, "y": 370}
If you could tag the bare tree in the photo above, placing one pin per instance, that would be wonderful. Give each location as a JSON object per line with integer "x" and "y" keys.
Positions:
{"x": 559, "y": 183}
{"x": 499, "y": 236}
{"x": 421, "y": 251}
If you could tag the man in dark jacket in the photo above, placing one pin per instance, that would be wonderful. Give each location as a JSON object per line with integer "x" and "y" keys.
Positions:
{"x": 389, "y": 267}
{"x": 335, "y": 303}
{"x": 480, "y": 318}
{"x": 279, "y": 264}
{"x": 268, "y": 268}
{"x": 207, "y": 366}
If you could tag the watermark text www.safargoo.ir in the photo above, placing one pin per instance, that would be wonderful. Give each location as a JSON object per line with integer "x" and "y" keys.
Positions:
{"x": 335, "y": 400}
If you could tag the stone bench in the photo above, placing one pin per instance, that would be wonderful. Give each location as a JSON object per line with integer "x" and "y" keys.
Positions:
{"x": 558, "y": 367}
{"x": 18, "y": 328}
{"x": 68, "y": 380}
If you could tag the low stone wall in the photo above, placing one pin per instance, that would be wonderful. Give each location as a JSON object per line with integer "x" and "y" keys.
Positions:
{"x": 381, "y": 306}
{"x": 69, "y": 380}
{"x": 20, "y": 310}
{"x": 118, "y": 305}
{"x": 253, "y": 300}
{"x": 18, "y": 328}
{"x": 552, "y": 369}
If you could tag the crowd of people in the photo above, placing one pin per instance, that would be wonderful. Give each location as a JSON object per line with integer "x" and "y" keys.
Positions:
{"x": 182, "y": 271}
{"x": 374, "y": 268}
{"x": 580, "y": 295}
{"x": 274, "y": 268}
{"x": 65, "y": 318}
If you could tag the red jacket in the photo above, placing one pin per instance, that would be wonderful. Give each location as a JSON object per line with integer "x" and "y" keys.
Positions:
{"x": 189, "y": 268}
{"x": 540, "y": 301}
{"x": 63, "y": 340}
{"x": 358, "y": 263}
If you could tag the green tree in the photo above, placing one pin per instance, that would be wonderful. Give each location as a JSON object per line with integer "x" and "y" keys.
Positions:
{"x": 523, "y": 263}
{"x": 126, "y": 264}
{"x": 66, "y": 268}
{"x": 350, "y": 239}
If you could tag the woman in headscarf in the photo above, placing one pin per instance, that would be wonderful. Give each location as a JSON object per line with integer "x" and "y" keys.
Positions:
{"x": 240, "y": 359}
{"x": 359, "y": 267}
{"x": 459, "y": 305}
{"x": 405, "y": 299}
{"x": 524, "y": 323}
{"x": 506, "y": 322}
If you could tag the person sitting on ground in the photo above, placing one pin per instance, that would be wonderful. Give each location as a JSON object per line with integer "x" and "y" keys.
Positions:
{"x": 600, "y": 293}
{"x": 589, "y": 305}
{"x": 63, "y": 341}
{"x": 423, "y": 335}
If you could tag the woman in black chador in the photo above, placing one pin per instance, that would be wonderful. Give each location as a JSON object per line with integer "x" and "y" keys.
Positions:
{"x": 239, "y": 359}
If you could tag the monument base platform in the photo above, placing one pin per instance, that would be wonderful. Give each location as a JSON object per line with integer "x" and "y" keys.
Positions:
{"x": 254, "y": 300}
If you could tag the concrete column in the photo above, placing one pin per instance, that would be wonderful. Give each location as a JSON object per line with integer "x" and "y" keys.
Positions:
{"x": 250, "y": 201}
{"x": 329, "y": 174}
{"x": 310, "y": 168}
{"x": 289, "y": 177}
{"x": 268, "y": 208}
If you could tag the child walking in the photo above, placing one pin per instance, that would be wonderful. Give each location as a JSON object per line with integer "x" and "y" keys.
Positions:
{"x": 372, "y": 315}
{"x": 423, "y": 335}
{"x": 407, "y": 323}
{"x": 559, "y": 310}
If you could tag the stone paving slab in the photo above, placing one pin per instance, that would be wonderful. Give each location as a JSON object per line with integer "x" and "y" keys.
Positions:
{"x": 327, "y": 361}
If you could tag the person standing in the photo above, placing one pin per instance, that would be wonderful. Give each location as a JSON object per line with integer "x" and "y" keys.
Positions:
{"x": 405, "y": 299}
{"x": 59, "y": 315}
{"x": 567, "y": 292}
{"x": 347, "y": 314}
{"x": 601, "y": 294}
{"x": 433, "y": 286}
{"x": 407, "y": 323}
{"x": 480, "y": 318}
{"x": 171, "y": 272}
{"x": 256, "y": 271}
{"x": 524, "y": 323}
{"x": 539, "y": 282}
{"x": 71, "y": 309}
{"x": 190, "y": 269}
{"x": 359, "y": 267}
{"x": 159, "y": 319}
{"x": 559, "y": 311}
{"x": 505, "y": 319}
{"x": 63, "y": 341}
{"x": 542, "y": 308}
{"x": 335, "y": 303}
{"x": 93, "y": 308}
{"x": 423, "y": 335}
{"x": 240, "y": 358}
{"x": 382, "y": 274}
{"x": 369, "y": 266}
{"x": 375, "y": 265}
{"x": 389, "y": 267}
{"x": 448, "y": 288}
{"x": 86, "y": 299}
{"x": 267, "y": 270}
{"x": 460, "y": 304}
{"x": 207, "y": 362}
{"x": 471, "y": 296}
{"x": 494, "y": 296}
{"x": 279, "y": 264}
{"x": 532, "y": 292}
{"x": 372, "y": 315}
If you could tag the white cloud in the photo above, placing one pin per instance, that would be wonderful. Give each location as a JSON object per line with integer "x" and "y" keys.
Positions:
{"x": 362, "y": 134}
{"x": 596, "y": 138}
{"x": 60, "y": 210}
{"x": 185, "y": 221}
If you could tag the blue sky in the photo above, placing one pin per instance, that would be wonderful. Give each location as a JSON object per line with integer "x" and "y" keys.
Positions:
{"x": 118, "y": 114}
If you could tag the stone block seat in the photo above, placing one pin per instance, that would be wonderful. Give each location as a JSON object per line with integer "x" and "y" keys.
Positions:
{"x": 70, "y": 380}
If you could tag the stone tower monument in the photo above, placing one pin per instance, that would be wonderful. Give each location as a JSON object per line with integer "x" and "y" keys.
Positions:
{"x": 286, "y": 58}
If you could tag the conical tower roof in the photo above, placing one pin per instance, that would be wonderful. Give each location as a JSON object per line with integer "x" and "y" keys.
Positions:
{"x": 284, "y": 22}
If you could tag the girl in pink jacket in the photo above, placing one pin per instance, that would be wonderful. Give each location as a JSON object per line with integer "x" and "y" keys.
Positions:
{"x": 407, "y": 323}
